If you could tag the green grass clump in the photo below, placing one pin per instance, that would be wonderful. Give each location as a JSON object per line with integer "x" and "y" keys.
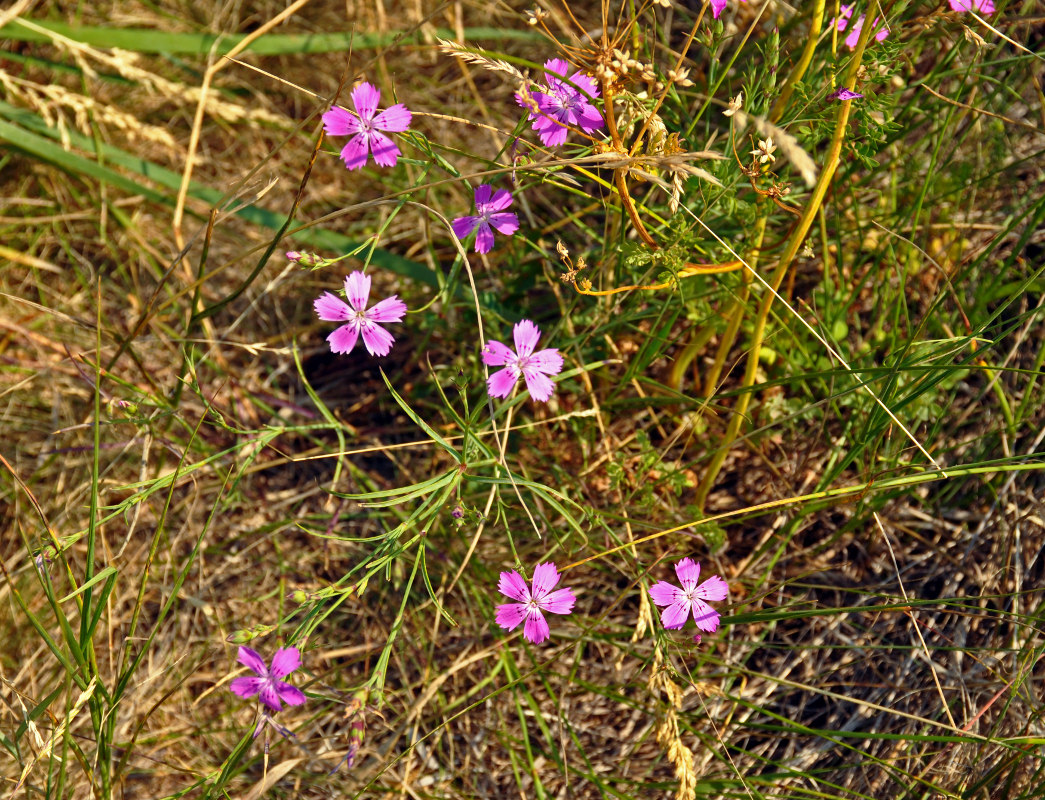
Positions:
{"x": 802, "y": 345}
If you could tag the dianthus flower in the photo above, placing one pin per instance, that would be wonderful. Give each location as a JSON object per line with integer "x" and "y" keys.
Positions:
{"x": 844, "y": 94}
{"x": 491, "y": 215}
{"x": 533, "y": 604}
{"x": 366, "y": 129}
{"x": 267, "y": 685}
{"x": 563, "y": 104}
{"x": 691, "y": 598}
{"x": 718, "y": 6}
{"x": 358, "y": 318}
{"x": 533, "y": 367}
{"x": 845, "y": 13}
{"x": 983, "y": 6}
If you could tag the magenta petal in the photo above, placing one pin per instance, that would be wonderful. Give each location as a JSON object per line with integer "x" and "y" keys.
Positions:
{"x": 663, "y": 593}
{"x": 482, "y": 195}
{"x": 391, "y": 309}
{"x": 376, "y": 339}
{"x": 585, "y": 84}
{"x": 557, "y": 68}
{"x": 545, "y": 577}
{"x": 510, "y": 615}
{"x": 536, "y": 628}
{"x": 291, "y": 695}
{"x": 559, "y": 602}
{"x": 705, "y": 616}
{"x": 357, "y": 290}
{"x": 714, "y": 588}
{"x": 385, "y": 151}
{"x": 332, "y": 308}
{"x": 339, "y": 122}
{"x": 286, "y": 660}
{"x": 354, "y": 154}
{"x": 674, "y": 616}
{"x": 251, "y": 658}
{"x": 463, "y": 226}
{"x": 540, "y": 386}
{"x": 247, "y": 686}
{"x": 688, "y": 572}
{"x": 344, "y": 338}
{"x": 551, "y": 133}
{"x": 589, "y": 119}
{"x": 269, "y": 697}
{"x": 547, "y": 361}
{"x": 394, "y": 119}
{"x": 526, "y": 335}
{"x": 484, "y": 238}
{"x": 717, "y": 6}
{"x": 366, "y": 97}
{"x": 512, "y": 585}
{"x": 505, "y": 222}
{"x": 501, "y": 199}
{"x": 501, "y": 383}
{"x": 496, "y": 354}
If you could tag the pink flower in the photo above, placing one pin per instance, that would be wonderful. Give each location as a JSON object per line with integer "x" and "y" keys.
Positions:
{"x": 491, "y": 215}
{"x": 533, "y": 604}
{"x": 358, "y": 318}
{"x": 983, "y": 6}
{"x": 267, "y": 685}
{"x": 366, "y": 129}
{"x": 844, "y": 94}
{"x": 718, "y": 6}
{"x": 564, "y": 103}
{"x": 534, "y": 367}
{"x": 845, "y": 13}
{"x": 691, "y": 598}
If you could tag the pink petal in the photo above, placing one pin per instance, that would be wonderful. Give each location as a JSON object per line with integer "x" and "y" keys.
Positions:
{"x": 559, "y": 602}
{"x": 714, "y": 588}
{"x": 463, "y": 226}
{"x": 545, "y": 577}
{"x": 291, "y": 695}
{"x": 506, "y": 223}
{"x": 539, "y": 386}
{"x": 285, "y": 661}
{"x": 355, "y": 153}
{"x": 251, "y": 658}
{"x": 501, "y": 199}
{"x": 510, "y": 615}
{"x": 484, "y": 238}
{"x": 663, "y": 593}
{"x": 339, "y": 122}
{"x": 526, "y": 335}
{"x": 512, "y": 585}
{"x": 688, "y": 572}
{"x": 394, "y": 119}
{"x": 332, "y": 308}
{"x": 501, "y": 383}
{"x": 385, "y": 151}
{"x": 377, "y": 340}
{"x": 556, "y": 68}
{"x": 270, "y": 697}
{"x": 246, "y": 687}
{"x": 482, "y": 194}
{"x": 547, "y": 361}
{"x": 716, "y": 8}
{"x": 495, "y": 354}
{"x": 366, "y": 97}
{"x": 391, "y": 309}
{"x": 536, "y": 628}
{"x": 585, "y": 84}
{"x": 705, "y": 616}
{"x": 589, "y": 119}
{"x": 674, "y": 616}
{"x": 357, "y": 290}
{"x": 551, "y": 133}
{"x": 344, "y": 338}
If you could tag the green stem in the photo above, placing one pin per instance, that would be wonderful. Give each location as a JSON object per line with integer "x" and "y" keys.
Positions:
{"x": 798, "y": 235}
